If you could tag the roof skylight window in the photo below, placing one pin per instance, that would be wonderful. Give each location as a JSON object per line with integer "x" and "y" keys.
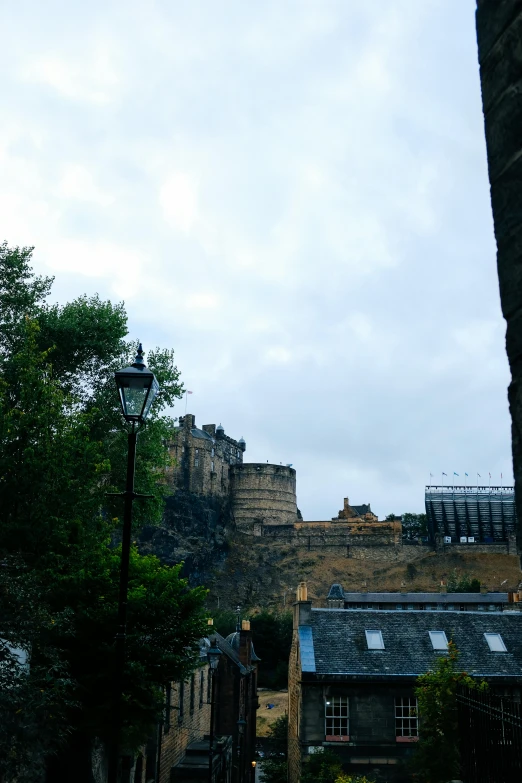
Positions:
{"x": 438, "y": 640}
{"x": 374, "y": 640}
{"x": 495, "y": 642}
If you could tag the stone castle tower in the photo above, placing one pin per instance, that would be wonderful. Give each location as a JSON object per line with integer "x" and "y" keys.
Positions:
{"x": 210, "y": 463}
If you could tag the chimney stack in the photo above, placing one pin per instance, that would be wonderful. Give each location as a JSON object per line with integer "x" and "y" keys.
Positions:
{"x": 245, "y": 643}
{"x": 302, "y": 607}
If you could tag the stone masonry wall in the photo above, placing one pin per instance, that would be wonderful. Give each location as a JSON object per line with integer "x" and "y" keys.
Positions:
{"x": 499, "y": 37}
{"x": 183, "y": 728}
{"x": 202, "y": 458}
{"x": 263, "y": 493}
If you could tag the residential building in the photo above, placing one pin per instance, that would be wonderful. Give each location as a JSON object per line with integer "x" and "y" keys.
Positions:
{"x": 180, "y": 750}
{"x": 352, "y": 675}
{"x": 402, "y": 601}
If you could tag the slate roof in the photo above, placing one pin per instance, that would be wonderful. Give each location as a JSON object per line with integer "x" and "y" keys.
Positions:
{"x": 422, "y": 598}
{"x": 339, "y": 642}
{"x": 197, "y": 433}
{"x": 229, "y": 651}
{"x": 336, "y": 591}
{"x": 234, "y": 640}
{"x": 363, "y": 509}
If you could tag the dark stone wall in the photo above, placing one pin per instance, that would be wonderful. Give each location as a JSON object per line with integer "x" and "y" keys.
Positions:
{"x": 193, "y": 530}
{"x": 499, "y": 37}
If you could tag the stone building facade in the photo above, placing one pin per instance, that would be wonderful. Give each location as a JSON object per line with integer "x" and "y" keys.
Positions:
{"x": 499, "y": 33}
{"x": 202, "y": 458}
{"x": 180, "y": 749}
{"x": 352, "y": 675}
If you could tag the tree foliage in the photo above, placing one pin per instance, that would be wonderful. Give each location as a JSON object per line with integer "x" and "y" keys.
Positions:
{"x": 321, "y": 767}
{"x": 463, "y": 583}
{"x": 272, "y": 636}
{"x": 62, "y": 448}
{"x": 436, "y": 758}
{"x": 414, "y": 526}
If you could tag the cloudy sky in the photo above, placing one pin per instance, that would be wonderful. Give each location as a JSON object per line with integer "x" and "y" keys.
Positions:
{"x": 291, "y": 193}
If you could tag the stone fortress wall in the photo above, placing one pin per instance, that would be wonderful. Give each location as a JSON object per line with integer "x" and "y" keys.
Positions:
{"x": 263, "y": 494}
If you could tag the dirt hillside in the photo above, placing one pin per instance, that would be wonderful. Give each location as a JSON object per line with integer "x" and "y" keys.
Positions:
{"x": 256, "y": 572}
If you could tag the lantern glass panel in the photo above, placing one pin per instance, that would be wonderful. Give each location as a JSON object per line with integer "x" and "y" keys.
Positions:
{"x": 134, "y": 392}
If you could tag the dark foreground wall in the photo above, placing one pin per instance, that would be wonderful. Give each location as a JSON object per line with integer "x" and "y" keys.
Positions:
{"x": 499, "y": 36}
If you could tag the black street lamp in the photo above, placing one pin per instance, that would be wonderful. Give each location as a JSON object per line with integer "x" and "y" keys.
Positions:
{"x": 137, "y": 388}
{"x": 213, "y": 655}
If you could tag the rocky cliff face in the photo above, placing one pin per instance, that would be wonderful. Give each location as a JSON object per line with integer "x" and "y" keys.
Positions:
{"x": 193, "y": 530}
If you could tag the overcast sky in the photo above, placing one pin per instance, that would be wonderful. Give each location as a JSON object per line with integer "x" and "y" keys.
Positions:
{"x": 293, "y": 194}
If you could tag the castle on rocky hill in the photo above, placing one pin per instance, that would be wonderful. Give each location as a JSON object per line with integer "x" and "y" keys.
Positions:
{"x": 262, "y": 497}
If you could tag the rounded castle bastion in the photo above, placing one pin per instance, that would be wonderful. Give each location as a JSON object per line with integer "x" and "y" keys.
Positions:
{"x": 262, "y": 494}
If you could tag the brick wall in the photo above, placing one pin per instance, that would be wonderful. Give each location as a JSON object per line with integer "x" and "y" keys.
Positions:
{"x": 183, "y": 727}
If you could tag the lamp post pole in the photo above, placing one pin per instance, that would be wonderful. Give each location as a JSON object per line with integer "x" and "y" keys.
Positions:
{"x": 121, "y": 634}
{"x": 137, "y": 388}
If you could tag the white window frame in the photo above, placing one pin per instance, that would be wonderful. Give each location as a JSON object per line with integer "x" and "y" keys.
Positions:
{"x": 337, "y": 719}
{"x": 372, "y": 646}
{"x": 406, "y": 719}
{"x": 495, "y": 637}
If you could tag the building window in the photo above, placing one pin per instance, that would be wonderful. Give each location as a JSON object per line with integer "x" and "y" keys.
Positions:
{"x": 438, "y": 640}
{"x": 399, "y": 606}
{"x": 209, "y": 686}
{"x": 212, "y": 453}
{"x": 201, "y": 687}
{"x": 406, "y": 718}
{"x": 212, "y": 466}
{"x": 168, "y": 694}
{"x": 374, "y": 640}
{"x": 495, "y": 642}
{"x": 196, "y": 458}
{"x": 192, "y": 689}
{"x": 181, "y": 704}
{"x": 336, "y": 719}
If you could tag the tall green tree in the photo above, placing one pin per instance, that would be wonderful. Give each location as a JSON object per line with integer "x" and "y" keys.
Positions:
{"x": 62, "y": 448}
{"x": 436, "y": 758}
{"x": 414, "y": 525}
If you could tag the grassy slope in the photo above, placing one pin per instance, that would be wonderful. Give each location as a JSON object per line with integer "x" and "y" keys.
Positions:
{"x": 256, "y": 573}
